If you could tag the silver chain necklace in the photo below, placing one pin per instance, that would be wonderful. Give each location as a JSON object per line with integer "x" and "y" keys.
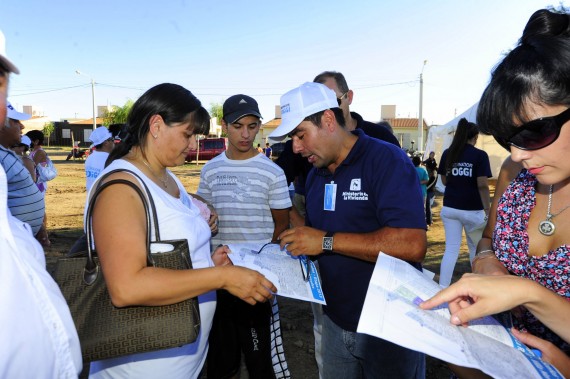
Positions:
{"x": 547, "y": 227}
{"x": 163, "y": 181}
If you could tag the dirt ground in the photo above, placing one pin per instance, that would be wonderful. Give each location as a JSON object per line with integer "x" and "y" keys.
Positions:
{"x": 65, "y": 199}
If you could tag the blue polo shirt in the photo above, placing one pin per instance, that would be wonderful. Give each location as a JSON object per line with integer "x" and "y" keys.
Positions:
{"x": 376, "y": 186}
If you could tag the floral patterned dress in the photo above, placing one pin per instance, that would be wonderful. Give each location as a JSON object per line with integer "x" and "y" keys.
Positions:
{"x": 511, "y": 244}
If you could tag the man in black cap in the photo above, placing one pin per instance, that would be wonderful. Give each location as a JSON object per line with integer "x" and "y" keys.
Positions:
{"x": 250, "y": 194}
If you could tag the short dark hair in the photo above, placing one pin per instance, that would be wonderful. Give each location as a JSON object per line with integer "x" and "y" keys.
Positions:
{"x": 337, "y": 76}
{"x": 316, "y": 117}
{"x": 416, "y": 160}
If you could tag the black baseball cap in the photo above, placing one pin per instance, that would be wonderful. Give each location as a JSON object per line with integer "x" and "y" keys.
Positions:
{"x": 238, "y": 106}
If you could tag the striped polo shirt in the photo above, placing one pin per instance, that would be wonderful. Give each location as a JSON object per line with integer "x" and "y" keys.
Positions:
{"x": 243, "y": 193}
{"x": 25, "y": 200}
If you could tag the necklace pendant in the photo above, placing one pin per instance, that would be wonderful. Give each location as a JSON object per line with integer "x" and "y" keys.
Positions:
{"x": 546, "y": 227}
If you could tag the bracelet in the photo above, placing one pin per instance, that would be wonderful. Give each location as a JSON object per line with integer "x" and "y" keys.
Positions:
{"x": 483, "y": 254}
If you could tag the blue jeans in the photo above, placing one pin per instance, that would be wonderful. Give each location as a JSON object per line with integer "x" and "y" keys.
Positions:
{"x": 351, "y": 355}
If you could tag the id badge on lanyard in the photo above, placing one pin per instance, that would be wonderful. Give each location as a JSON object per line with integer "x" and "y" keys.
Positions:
{"x": 330, "y": 197}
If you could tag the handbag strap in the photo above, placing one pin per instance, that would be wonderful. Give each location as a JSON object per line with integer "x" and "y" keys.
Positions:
{"x": 154, "y": 217}
{"x": 91, "y": 268}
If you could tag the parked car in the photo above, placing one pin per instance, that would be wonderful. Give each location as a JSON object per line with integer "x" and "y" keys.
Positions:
{"x": 208, "y": 148}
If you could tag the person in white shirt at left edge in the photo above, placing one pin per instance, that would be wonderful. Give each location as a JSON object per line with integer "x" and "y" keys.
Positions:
{"x": 38, "y": 338}
{"x": 102, "y": 141}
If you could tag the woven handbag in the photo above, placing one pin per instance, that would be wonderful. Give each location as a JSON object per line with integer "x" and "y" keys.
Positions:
{"x": 106, "y": 331}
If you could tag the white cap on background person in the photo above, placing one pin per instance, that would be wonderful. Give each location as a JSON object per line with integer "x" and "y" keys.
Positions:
{"x": 26, "y": 141}
{"x": 14, "y": 114}
{"x": 4, "y": 61}
{"x": 306, "y": 100}
{"x": 100, "y": 135}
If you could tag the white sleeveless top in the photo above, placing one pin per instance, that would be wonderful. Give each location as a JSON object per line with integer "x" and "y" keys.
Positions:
{"x": 177, "y": 218}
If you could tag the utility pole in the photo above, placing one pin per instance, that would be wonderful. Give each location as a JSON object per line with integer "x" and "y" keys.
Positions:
{"x": 421, "y": 117}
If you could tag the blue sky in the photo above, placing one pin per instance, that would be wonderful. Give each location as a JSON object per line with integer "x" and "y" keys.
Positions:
{"x": 260, "y": 48}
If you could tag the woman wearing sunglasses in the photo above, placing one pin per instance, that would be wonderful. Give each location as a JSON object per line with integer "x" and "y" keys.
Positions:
{"x": 526, "y": 107}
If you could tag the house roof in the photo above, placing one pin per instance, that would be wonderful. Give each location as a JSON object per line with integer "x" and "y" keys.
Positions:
{"x": 395, "y": 122}
{"x": 405, "y": 122}
{"x": 88, "y": 121}
{"x": 272, "y": 123}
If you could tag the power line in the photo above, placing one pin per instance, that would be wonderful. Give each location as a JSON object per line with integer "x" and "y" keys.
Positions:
{"x": 50, "y": 90}
{"x": 201, "y": 94}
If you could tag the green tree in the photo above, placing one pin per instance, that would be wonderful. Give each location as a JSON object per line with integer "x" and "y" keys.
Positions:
{"x": 118, "y": 115}
{"x": 217, "y": 111}
{"x": 48, "y": 129}
{"x": 559, "y": 9}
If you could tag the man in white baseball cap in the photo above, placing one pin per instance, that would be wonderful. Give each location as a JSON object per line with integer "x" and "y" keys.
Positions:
{"x": 362, "y": 197}
{"x": 102, "y": 144}
{"x": 14, "y": 114}
{"x": 14, "y": 124}
{"x": 12, "y": 132}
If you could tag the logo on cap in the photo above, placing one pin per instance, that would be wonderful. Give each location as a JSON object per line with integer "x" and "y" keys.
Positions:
{"x": 285, "y": 108}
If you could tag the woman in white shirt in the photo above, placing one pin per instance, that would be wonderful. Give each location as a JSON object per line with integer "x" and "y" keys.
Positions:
{"x": 161, "y": 129}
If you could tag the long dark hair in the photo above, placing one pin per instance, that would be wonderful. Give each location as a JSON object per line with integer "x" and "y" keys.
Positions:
{"x": 465, "y": 131}
{"x": 173, "y": 103}
{"x": 536, "y": 71}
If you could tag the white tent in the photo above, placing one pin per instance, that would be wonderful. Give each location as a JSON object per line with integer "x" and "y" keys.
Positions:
{"x": 440, "y": 137}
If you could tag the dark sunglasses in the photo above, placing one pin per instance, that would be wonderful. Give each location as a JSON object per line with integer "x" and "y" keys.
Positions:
{"x": 539, "y": 133}
{"x": 339, "y": 99}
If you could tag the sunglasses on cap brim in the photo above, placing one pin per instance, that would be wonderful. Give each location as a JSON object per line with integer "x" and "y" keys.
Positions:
{"x": 537, "y": 134}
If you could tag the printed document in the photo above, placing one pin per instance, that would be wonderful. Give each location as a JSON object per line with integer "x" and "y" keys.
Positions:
{"x": 391, "y": 312}
{"x": 294, "y": 277}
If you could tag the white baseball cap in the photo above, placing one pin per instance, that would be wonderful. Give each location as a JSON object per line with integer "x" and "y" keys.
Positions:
{"x": 3, "y": 58}
{"x": 14, "y": 114}
{"x": 26, "y": 140}
{"x": 307, "y": 99}
{"x": 100, "y": 135}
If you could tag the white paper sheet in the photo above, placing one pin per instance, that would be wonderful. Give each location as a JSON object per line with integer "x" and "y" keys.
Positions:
{"x": 390, "y": 312}
{"x": 284, "y": 270}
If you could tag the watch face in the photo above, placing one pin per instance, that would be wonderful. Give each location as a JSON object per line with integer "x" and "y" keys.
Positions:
{"x": 327, "y": 243}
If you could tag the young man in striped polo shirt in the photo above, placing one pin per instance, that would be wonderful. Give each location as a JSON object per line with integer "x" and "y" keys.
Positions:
{"x": 251, "y": 196}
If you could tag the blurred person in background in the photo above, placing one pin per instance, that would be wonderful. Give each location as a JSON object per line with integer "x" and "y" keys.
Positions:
{"x": 38, "y": 338}
{"x": 40, "y": 157}
{"x": 464, "y": 170}
{"x": 25, "y": 200}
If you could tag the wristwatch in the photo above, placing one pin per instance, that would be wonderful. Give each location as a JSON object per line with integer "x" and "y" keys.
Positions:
{"x": 328, "y": 240}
